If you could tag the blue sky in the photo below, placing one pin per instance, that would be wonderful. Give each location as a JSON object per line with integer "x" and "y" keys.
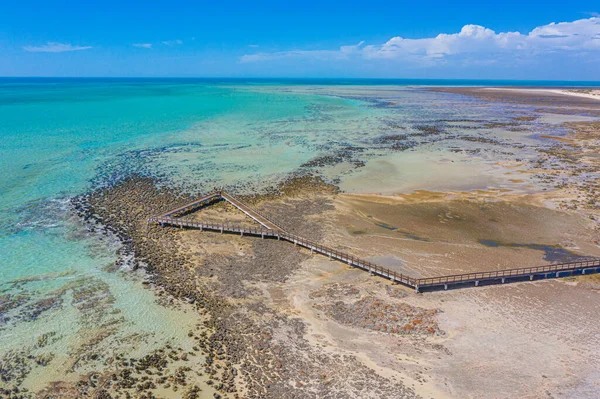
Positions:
{"x": 388, "y": 39}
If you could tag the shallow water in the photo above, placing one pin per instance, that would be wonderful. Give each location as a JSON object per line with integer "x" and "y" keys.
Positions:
{"x": 59, "y": 139}
{"x": 552, "y": 253}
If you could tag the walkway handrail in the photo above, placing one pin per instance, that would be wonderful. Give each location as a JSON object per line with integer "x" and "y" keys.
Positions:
{"x": 271, "y": 229}
{"x": 351, "y": 259}
{"x": 346, "y": 257}
{"x": 241, "y": 204}
{"x": 212, "y": 226}
{"x": 524, "y": 271}
{"x": 208, "y": 197}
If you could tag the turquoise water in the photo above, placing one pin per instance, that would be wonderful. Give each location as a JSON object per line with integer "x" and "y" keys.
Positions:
{"x": 60, "y": 138}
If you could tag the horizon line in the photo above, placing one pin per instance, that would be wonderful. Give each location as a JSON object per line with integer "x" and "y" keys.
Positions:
{"x": 302, "y": 78}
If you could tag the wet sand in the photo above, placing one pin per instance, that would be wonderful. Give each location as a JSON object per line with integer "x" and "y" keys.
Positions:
{"x": 451, "y": 233}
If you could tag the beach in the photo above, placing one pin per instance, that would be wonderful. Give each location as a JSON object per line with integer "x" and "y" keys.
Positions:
{"x": 424, "y": 181}
{"x": 583, "y": 93}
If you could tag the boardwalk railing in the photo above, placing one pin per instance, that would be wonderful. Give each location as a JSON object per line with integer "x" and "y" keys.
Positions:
{"x": 223, "y": 195}
{"x": 510, "y": 273}
{"x": 248, "y": 210}
{"x": 296, "y": 240}
{"x": 231, "y": 228}
{"x": 207, "y": 199}
{"x": 349, "y": 259}
{"x": 271, "y": 229}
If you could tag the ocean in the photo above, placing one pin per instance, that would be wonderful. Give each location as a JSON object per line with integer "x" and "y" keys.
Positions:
{"x": 60, "y": 138}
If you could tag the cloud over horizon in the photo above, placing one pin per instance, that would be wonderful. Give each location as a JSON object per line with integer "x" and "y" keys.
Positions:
{"x": 53, "y": 47}
{"x": 171, "y": 43}
{"x": 142, "y": 45}
{"x": 474, "y": 43}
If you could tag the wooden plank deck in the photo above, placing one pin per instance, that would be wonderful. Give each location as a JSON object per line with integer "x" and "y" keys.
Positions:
{"x": 270, "y": 229}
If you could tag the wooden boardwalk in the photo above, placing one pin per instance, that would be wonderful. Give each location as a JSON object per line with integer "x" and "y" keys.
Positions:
{"x": 253, "y": 213}
{"x": 207, "y": 199}
{"x": 269, "y": 229}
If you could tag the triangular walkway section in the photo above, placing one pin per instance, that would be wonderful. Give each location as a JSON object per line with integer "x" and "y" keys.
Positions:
{"x": 211, "y": 198}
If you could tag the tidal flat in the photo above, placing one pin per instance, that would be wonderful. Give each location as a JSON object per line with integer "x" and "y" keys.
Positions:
{"x": 428, "y": 182}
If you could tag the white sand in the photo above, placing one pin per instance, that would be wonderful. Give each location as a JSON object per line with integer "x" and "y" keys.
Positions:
{"x": 586, "y": 93}
{"x": 595, "y": 94}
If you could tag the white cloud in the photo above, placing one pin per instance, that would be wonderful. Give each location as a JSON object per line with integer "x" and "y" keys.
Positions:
{"x": 481, "y": 44}
{"x": 52, "y": 47}
{"x": 314, "y": 54}
{"x": 351, "y": 49}
{"x": 474, "y": 39}
{"x": 172, "y": 43}
{"x": 343, "y": 53}
{"x": 142, "y": 45}
{"x": 253, "y": 45}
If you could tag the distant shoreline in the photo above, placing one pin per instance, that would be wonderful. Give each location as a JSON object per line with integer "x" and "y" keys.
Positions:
{"x": 585, "y": 93}
{"x": 555, "y": 84}
{"x": 538, "y": 96}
